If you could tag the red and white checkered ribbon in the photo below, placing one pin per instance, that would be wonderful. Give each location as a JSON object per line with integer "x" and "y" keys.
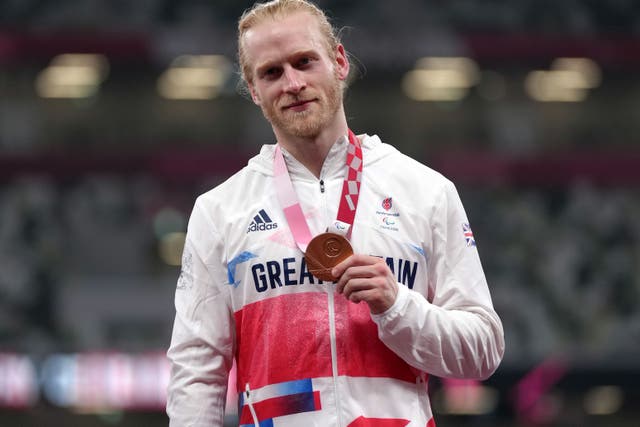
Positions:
{"x": 348, "y": 200}
{"x": 351, "y": 184}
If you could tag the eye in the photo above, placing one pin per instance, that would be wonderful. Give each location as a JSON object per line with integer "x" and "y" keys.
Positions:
{"x": 271, "y": 73}
{"x": 304, "y": 61}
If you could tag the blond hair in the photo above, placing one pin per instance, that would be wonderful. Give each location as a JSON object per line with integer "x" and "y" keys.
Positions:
{"x": 278, "y": 9}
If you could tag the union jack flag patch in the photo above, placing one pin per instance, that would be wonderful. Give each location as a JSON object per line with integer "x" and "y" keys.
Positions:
{"x": 468, "y": 234}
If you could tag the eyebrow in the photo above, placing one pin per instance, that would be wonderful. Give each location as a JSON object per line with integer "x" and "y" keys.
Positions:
{"x": 268, "y": 64}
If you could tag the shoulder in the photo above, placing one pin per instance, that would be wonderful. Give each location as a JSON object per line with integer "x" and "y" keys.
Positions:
{"x": 386, "y": 160}
{"x": 246, "y": 183}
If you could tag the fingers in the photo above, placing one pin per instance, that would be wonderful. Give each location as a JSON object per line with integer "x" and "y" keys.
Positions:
{"x": 339, "y": 269}
{"x": 352, "y": 269}
{"x": 378, "y": 298}
{"x": 368, "y": 279}
{"x": 358, "y": 266}
{"x": 364, "y": 295}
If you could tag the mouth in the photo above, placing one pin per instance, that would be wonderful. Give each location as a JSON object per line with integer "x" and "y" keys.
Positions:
{"x": 299, "y": 105}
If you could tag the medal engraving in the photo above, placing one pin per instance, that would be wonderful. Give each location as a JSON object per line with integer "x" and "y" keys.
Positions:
{"x": 333, "y": 247}
{"x": 324, "y": 252}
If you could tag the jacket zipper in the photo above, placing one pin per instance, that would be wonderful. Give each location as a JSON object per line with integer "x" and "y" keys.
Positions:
{"x": 247, "y": 398}
{"x": 334, "y": 352}
{"x": 332, "y": 327}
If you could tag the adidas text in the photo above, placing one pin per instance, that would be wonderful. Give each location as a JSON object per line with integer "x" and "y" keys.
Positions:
{"x": 262, "y": 227}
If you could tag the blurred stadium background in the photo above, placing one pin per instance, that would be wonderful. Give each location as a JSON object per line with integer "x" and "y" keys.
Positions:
{"x": 115, "y": 115}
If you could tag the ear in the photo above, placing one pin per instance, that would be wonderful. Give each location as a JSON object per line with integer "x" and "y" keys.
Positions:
{"x": 342, "y": 63}
{"x": 254, "y": 95}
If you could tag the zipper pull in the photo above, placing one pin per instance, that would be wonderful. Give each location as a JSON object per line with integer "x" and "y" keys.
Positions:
{"x": 322, "y": 186}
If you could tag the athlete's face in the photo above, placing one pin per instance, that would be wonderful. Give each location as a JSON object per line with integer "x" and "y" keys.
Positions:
{"x": 293, "y": 78}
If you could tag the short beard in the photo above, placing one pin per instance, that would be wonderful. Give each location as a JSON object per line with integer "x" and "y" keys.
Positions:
{"x": 307, "y": 124}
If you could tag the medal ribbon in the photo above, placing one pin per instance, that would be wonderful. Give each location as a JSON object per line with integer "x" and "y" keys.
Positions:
{"x": 348, "y": 200}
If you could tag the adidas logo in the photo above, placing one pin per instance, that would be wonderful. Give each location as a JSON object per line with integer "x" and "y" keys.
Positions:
{"x": 262, "y": 222}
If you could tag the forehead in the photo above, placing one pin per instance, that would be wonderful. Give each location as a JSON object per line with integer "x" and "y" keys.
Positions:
{"x": 275, "y": 39}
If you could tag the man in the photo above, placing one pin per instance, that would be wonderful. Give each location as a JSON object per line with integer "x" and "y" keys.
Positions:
{"x": 412, "y": 300}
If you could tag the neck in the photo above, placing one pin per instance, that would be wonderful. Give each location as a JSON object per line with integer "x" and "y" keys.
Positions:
{"x": 312, "y": 151}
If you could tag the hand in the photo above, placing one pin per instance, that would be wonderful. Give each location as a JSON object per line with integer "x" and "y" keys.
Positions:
{"x": 369, "y": 279}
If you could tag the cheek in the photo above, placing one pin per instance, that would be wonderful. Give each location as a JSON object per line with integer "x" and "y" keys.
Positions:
{"x": 261, "y": 95}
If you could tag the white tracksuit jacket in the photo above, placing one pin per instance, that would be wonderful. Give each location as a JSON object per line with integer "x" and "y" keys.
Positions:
{"x": 305, "y": 355}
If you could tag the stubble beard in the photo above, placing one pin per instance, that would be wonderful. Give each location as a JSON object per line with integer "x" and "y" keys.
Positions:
{"x": 307, "y": 123}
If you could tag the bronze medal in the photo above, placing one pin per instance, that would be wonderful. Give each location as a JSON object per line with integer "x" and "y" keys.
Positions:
{"x": 324, "y": 252}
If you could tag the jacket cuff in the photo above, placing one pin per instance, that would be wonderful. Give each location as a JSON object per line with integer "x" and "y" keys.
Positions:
{"x": 401, "y": 298}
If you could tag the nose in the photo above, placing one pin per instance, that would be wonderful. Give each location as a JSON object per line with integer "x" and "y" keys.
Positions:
{"x": 294, "y": 80}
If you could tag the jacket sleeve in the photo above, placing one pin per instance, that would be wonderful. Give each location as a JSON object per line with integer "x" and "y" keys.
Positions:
{"x": 453, "y": 332}
{"x": 201, "y": 350}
